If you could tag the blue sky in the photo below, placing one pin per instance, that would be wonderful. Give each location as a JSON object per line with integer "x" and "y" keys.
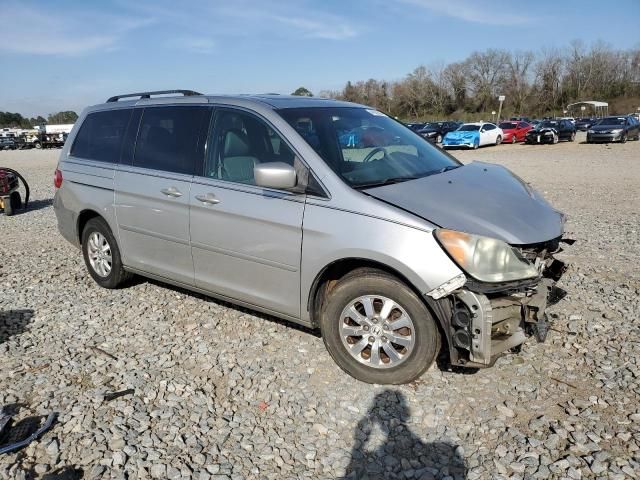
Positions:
{"x": 69, "y": 53}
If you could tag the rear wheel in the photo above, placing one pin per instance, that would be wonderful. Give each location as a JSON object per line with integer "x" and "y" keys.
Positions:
{"x": 12, "y": 204}
{"x": 102, "y": 255}
{"x": 377, "y": 329}
{"x": 513, "y": 139}
{"x": 623, "y": 138}
{"x": 498, "y": 140}
{"x": 572, "y": 137}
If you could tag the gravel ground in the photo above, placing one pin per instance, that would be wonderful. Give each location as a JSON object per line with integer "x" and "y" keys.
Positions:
{"x": 222, "y": 392}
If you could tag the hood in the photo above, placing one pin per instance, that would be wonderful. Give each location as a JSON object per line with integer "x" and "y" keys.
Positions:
{"x": 479, "y": 198}
{"x": 606, "y": 128}
{"x": 542, "y": 130}
{"x": 462, "y": 134}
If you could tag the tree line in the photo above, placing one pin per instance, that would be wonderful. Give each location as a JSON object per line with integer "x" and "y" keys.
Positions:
{"x": 534, "y": 83}
{"x": 15, "y": 120}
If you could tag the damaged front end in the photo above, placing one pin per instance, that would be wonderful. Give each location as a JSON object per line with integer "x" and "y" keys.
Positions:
{"x": 484, "y": 320}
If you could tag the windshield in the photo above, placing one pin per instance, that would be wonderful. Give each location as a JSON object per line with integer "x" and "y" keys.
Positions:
{"x": 548, "y": 124}
{"x": 469, "y": 128}
{"x": 611, "y": 121}
{"x": 365, "y": 147}
{"x": 508, "y": 125}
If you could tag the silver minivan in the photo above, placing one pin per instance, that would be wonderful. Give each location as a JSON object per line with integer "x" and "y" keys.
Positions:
{"x": 326, "y": 213}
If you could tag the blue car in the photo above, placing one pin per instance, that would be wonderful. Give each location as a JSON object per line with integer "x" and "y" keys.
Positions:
{"x": 473, "y": 135}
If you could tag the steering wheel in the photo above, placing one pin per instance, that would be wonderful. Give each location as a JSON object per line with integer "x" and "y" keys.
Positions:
{"x": 373, "y": 152}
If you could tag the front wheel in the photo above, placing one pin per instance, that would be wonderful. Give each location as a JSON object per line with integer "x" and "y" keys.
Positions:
{"x": 439, "y": 139}
{"x": 513, "y": 139}
{"x": 102, "y": 255}
{"x": 623, "y": 138}
{"x": 498, "y": 140}
{"x": 476, "y": 144}
{"x": 556, "y": 139}
{"x": 572, "y": 137}
{"x": 377, "y": 330}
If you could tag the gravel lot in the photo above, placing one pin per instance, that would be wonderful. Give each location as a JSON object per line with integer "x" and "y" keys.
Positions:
{"x": 222, "y": 392}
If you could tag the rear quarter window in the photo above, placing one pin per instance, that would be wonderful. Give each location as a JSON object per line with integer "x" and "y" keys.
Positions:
{"x": 100, "y": 136}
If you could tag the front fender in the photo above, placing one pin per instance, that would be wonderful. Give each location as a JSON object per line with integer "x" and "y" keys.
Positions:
{"x": 332, "y": 235}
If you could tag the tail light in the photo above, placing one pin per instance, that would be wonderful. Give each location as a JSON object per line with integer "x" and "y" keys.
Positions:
{"x": 57, "y": 178}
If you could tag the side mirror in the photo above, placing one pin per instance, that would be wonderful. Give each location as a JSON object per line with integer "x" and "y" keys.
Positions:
{"x": 482, "y": 130}
{"x": 279, "y": 175}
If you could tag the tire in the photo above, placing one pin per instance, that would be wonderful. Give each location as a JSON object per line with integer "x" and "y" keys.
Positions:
{"x": 12, "y": 204}
{"x": 556, "y": 139}
{"x": 376, "y": 288}
{"x": 498, "y": 140}
{"x": 95, "y": 233}
{"x": 572, "y": 137}
{"x": 623, "y": 138}
{"x": 513, "y": 139}
{"x": 439, "y": 139}
{"x": 38, "y": 145}
{"x": 476, "y": 144}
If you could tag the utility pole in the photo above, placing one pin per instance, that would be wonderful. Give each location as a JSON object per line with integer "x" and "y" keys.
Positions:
{"x": 501, "y": 98}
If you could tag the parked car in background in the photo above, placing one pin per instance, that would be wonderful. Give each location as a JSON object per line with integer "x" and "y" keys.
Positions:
{"x": 366, "y": 136}
{"x": 514, "y": 131}
{"x": 435, "y": 131}
{"x": 7, "y": 142}
{"x": 404, "y": 246}
{"x": 473, "y": 135}
{"x": 415, "y": 126}
{"x": 614, "y": 129}
{"x": 583, "y": 124}
{"x": 551, "y": 131}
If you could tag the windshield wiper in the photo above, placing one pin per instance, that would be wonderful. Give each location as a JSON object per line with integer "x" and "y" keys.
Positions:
{"x": 386, "y": 181}
{"x": 448, "y": 167}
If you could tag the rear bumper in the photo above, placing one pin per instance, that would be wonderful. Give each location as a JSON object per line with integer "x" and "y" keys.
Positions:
{"x": 67, "y": 220}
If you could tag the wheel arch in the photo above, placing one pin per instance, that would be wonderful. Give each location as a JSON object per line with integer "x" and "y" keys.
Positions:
{"x": 83, "y": 218}
{"x": 337, "y": 269}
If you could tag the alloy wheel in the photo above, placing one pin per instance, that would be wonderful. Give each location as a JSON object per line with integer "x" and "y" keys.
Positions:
{"x": 99, "y": 253}
{"x": 377, "y": 331}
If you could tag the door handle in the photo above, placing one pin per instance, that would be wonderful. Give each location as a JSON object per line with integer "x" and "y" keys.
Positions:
{"x": 171, "y": 192}
{"x": 208, "y": 198}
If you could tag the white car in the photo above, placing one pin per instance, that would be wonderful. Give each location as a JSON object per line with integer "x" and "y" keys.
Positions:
{"x": 474, "y": 135}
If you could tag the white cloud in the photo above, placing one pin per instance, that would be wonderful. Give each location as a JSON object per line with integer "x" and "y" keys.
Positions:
{"x": 44, "y": 31}
{"x": 287, "y": 20}
{"x": 489, "y": 13}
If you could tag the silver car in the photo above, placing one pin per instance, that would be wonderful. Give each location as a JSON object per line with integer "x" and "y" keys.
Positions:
{"x": 326, "y": 213}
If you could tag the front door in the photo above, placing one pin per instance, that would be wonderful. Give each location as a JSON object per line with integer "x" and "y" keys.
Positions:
{"x": 246, "y": 240}
{"x": 152, "y": 192}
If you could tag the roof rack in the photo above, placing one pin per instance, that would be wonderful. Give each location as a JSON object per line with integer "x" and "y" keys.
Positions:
{"x": 186, "y": 93}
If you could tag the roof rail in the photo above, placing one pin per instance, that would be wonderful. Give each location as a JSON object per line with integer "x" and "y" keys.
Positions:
{"x": 186, "y": 93}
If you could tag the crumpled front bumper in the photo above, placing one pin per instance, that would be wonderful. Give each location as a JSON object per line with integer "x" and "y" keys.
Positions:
{"x": 486, "y": 320}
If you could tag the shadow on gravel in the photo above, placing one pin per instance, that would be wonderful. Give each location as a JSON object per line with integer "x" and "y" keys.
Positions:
{"x": 14, "y": 322}
{"x": 35, "y": 205}
{"x": 401, "y": 450}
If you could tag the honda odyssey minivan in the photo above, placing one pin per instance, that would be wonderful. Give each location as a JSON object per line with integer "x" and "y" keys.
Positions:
{"x": 326, "y": 213}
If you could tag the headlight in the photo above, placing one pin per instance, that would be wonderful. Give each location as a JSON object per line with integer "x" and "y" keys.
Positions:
{"x": 484, "y": 258}
{"x": 591, "y": 131}
{"x": 617, "y": 130}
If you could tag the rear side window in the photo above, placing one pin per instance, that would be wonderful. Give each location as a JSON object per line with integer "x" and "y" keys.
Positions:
{"x": 100, "y": 136}
{"x": 168, "y": 139}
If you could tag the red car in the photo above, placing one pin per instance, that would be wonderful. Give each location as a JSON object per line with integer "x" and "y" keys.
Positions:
{"x": 514, "y": 131}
